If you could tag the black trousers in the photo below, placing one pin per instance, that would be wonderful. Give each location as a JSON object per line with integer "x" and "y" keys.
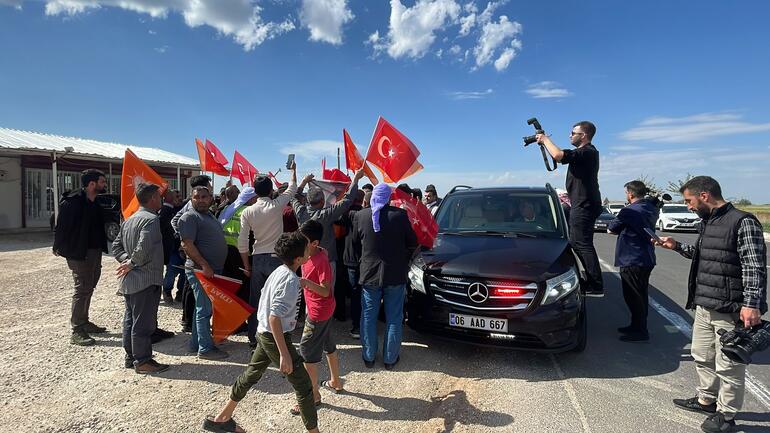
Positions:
{"x": 188, "y": 305}
{"x": 139, "y": 322}
{"x": 581, "y": 236}
{"x": 635, "y": 280}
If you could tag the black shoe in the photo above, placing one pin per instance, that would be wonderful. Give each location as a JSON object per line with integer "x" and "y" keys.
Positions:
{"x": 693, "y": 405}
{"x": 160, "y": 335}
{"x": 129, "y": 363}
{"x": 167, "y": 298}
{"x": 214, "y": 354}
{"x": 186, "y": 328}
{"x": 369, "y": 364}
{"x": 81, "y": 338}
{"x": 717, "y": 424}
{"x": 355, "y": 333}
{"x": 595, "y": 293}
{"x": 627, "y": 329}
{"x": 91, "y": 328}
{"x": 635, "y": 337}
{"x": 391, "y": 366}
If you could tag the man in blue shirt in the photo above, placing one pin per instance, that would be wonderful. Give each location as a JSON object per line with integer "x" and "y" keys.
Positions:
{"x": 635, "y": 256}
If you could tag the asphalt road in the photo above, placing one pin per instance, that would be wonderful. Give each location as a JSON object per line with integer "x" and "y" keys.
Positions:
{"x": 611, "y": 387}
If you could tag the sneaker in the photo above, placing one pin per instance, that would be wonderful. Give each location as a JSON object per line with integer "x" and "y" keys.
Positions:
{"x": 717, "y": 424}
{"x": 81, "y": 338}
{"x": 213, "y": 354}
{"x": 91, "y": 328}
{"x": 160, "y": 335}
{"x": 635, "y": 337}
{"x": 167, "y": 298}
{"x": 151, "y": 367}
{"x": 129, "y": 363}
{"x": 355, "y": 333}
{"x": 693, "y": 405}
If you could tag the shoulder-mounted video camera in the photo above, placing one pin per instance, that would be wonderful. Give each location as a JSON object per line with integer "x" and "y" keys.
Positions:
{"x": 658, "y": 200}
{"x": 741, "y": 343}
{"x": 533, "y": 139}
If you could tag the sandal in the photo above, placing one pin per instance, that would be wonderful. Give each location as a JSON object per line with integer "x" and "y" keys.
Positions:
{"x": 295, "y": 410}
{"x": 228, "y": 426}
{"x": 327, "y": 385}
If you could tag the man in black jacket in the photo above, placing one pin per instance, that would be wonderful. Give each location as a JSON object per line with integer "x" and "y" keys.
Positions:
{"x": 80, "y": 238}
{"x": 727, "y": 285}
{"x": 386, "y": 241}
{"x": 172, "y": 203}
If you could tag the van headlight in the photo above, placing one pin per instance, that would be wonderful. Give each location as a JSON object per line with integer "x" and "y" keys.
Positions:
{"x": 416, "y": 276}
{"x": 560, "y": 286}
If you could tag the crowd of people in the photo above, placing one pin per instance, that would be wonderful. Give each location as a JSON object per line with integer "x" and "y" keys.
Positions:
{"x": 300, "y": 258}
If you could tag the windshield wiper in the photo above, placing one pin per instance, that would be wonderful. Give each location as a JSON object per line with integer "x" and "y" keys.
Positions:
{"x": 491, "y": 233}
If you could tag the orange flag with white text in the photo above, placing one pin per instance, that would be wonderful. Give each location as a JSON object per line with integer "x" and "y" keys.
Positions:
{"x": 229, "y": 311}
{"x": 135, "y": 171}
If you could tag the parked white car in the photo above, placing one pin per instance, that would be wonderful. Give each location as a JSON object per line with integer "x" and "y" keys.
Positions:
{"x": 615, "y": 207}
{"x": 677, "y": 217}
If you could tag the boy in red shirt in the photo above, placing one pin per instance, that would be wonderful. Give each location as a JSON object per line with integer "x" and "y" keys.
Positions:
{"x": 319, "y": 298}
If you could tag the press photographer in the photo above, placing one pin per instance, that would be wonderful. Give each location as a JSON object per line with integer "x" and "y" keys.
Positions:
{"x": 727, "y": 285}
{"x": 583, "y": 189}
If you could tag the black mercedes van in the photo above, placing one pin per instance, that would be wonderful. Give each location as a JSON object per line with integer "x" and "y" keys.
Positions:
{"x": 501, "y": 272}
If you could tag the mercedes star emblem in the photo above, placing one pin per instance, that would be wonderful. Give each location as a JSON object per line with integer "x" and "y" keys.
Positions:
{"x": 478, "y": 293}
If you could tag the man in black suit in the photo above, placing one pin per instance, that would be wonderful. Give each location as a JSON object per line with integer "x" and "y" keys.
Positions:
{"x": 386, "y": 240}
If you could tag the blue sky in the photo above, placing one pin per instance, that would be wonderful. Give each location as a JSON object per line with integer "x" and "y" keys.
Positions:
{"x": 672, "y": 87}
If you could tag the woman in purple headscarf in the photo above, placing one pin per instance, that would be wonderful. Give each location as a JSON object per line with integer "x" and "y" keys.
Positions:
{"x": 386, "y": 240}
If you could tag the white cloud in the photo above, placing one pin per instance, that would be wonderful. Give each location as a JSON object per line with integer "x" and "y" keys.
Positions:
{"x": 459, "y": 96}
{"x": 692, "y": 128}
{"x": 238, "y": 19}
{"x": 313, "y": 150}
{"x": 152, "y": 32}
{"x": 16, "y": 4}
{"x": 455, "y": 49}
{"x": 325, "y": 19}
{"x": 495, "y": 35}
{"x": 547, "y": 89}
{"x": 161, "y": 50}
{"x": 412, "y": 30}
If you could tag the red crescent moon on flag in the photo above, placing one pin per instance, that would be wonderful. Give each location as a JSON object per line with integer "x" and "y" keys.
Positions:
{"x": 380, "y": 143}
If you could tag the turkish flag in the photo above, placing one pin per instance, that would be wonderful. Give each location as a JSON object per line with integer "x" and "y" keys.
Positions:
{"x": 243, "y": 170}
{"x": 135, "y": 171}
{"x": 208, "y": 154}
{"x": 423, "y": 223}
{"x": 275, "y": 179}
{"x": 229, "y": 311}
{"x": 353, "y": 159}
{"x": 392, "y": 153}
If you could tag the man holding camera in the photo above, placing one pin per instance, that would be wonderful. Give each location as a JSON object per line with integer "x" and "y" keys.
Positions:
{"x": 727, "y": 285}
{"x": 583, "y": 190}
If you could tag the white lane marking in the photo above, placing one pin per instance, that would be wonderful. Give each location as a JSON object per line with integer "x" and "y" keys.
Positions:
{"x": 755, "y": 387}
{"x": 570, "y": 390}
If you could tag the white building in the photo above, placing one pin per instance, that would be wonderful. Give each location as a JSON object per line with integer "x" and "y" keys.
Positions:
{"x": 27, "y": 161}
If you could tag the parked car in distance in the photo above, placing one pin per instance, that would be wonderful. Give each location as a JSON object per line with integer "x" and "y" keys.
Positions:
{"x": 603, "y": 220}
{"x": 614, "y": 208}
{"x": 677, "y": 217}
{"x": 501, "y": 272}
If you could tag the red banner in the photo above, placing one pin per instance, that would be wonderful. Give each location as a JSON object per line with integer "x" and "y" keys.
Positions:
{"x": 420, "y": 217}
{"x": 208, "y": 159}
{"x": 243, "y": 170}
{"x": 229, "y": 311}
{"x": 353, "y": 159}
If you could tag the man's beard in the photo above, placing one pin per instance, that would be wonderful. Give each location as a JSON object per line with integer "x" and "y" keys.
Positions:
{"x": 703, "y": 214}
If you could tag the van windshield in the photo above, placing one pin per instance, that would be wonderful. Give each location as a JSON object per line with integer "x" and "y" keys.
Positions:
{"x": 500, "y": 212}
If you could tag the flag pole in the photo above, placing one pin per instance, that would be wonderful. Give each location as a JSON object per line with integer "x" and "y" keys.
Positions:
{"x": 338, "y": 158}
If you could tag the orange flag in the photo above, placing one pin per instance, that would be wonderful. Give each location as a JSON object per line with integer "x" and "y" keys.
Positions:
{"x": 135, "y": 171}
{"x": 208, "y": 158}
{"x": 229, "y": 311}
{"x": 353, "y": 159}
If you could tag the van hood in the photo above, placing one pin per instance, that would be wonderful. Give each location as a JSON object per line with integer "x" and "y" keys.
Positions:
{"x": 523, "y": 259}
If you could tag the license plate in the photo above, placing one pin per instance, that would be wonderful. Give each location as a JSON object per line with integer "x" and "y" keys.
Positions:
{"x": 476, "y": 322}
{"x": 687, "y": 224}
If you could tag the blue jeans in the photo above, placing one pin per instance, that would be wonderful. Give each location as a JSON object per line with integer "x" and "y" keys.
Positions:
{"x": 200, "y": 338}
{"x": 393, "y": 298}
{"x": 172, "y": 272}
{"x": 355, "y": 296}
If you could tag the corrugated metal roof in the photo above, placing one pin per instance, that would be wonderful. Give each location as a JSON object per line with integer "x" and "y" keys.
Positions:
{"x": 26, "y": 140}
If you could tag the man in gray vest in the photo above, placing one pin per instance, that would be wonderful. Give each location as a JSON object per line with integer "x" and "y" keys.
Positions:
{"x": 727, "y": 285}
{"x": 139, "y": 250}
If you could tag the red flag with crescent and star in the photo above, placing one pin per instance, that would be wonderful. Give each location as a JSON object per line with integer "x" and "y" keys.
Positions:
{"x": 275, "y": 179}
{"x": 423, "y": 223}
{"x": 353, "y": 159}
{"x": 229, "y": 311}
{"x": 392, "y": 153}
{"x": 208, "y": 154}
{"x": 243, "y": 170}
{"x": 135, "y": 171}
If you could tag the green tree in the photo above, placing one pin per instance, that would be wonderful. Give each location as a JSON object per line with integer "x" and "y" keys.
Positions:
{"x": 743, "y": 202}
{"x": 675, "y": 186}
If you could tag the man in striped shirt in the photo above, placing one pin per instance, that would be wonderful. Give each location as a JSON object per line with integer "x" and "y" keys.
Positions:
{"x": 139, "y": 249}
